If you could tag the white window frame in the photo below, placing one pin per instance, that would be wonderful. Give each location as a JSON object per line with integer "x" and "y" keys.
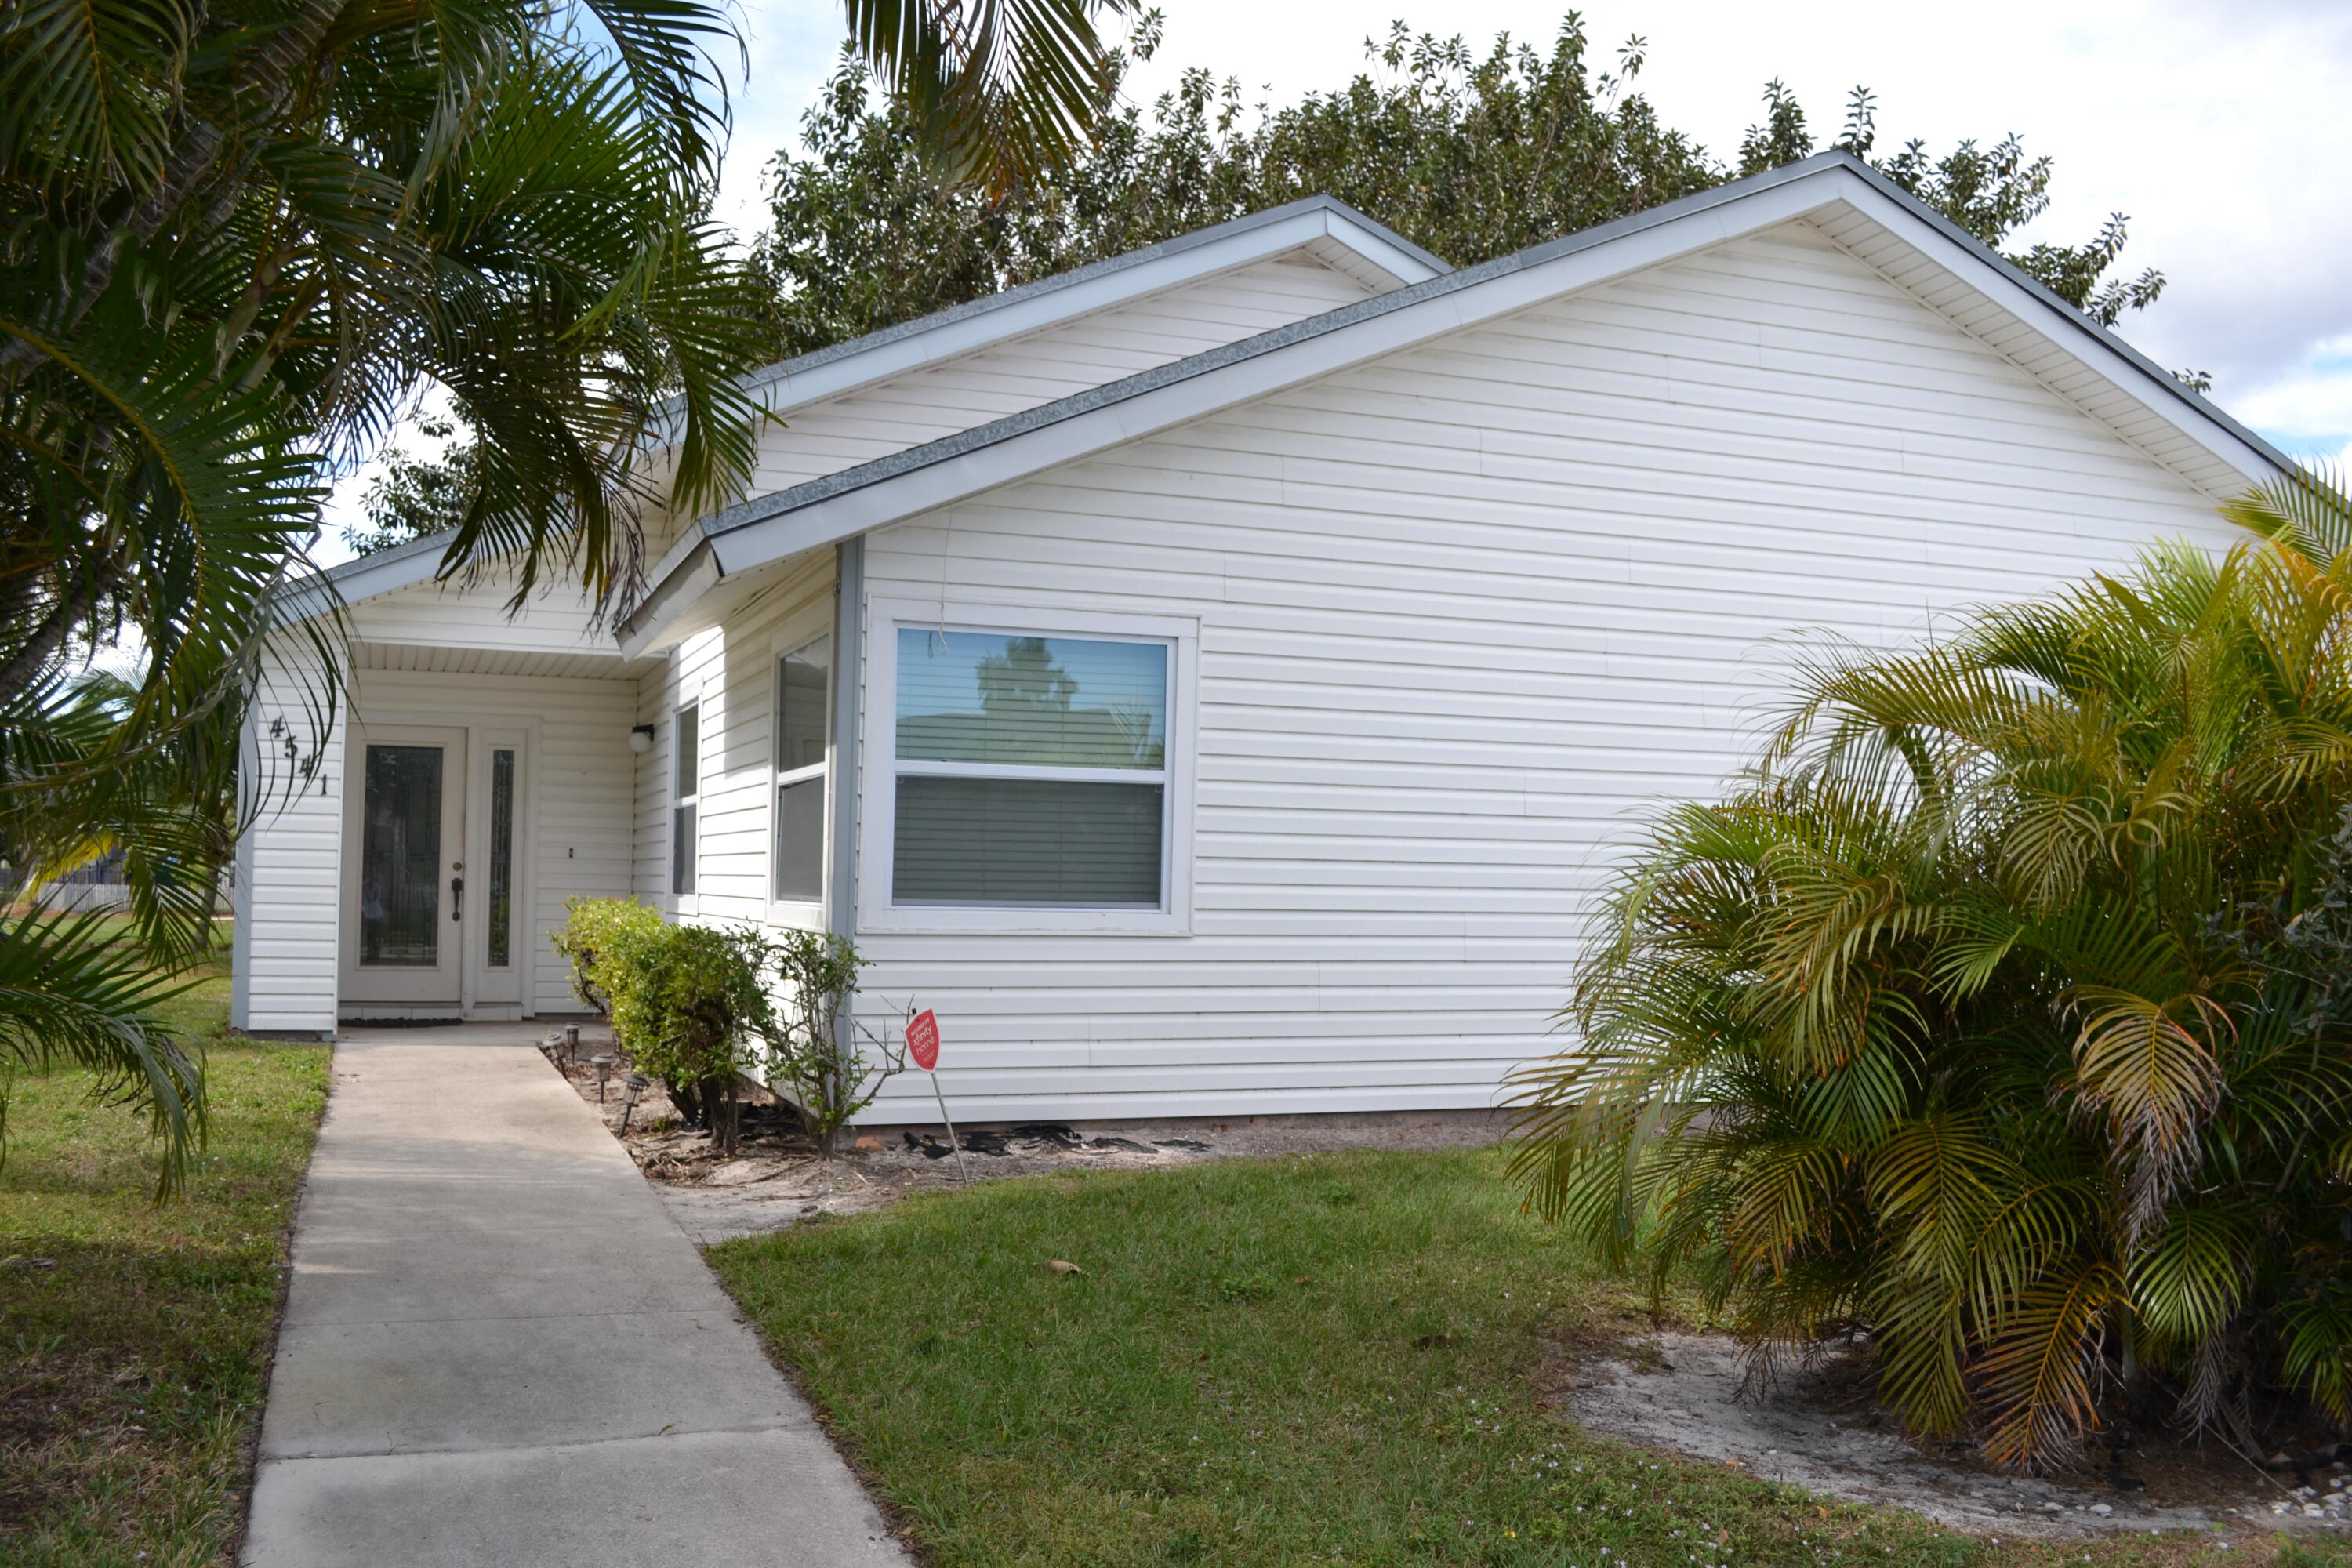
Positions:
{"x": 880, "y": 768}
{"x": 807, "y": 912}
{"x": 681, "y": 802}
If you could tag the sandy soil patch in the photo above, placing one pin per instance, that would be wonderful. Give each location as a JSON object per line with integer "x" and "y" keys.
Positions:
{"x": 1818, "y": 1427}
{"x": 776, "y": 1180}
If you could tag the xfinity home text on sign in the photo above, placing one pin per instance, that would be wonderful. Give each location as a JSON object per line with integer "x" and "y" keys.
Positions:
{"x": 923, "y": 1039}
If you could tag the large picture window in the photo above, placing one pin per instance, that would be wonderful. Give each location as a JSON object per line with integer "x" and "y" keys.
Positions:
{"x": 1031, "y": 771}
{"x": 686, "y": 797}
{"x": 802, "y": 734}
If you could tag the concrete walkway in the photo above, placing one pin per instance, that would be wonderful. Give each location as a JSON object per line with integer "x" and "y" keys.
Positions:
{"x": 499, "y": 1351}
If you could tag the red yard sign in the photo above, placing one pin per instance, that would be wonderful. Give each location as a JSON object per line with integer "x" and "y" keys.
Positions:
{"x": 923, "y": 1039}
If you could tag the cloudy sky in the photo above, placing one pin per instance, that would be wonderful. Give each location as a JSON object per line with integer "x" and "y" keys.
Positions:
{"x": 2223, "y": 130}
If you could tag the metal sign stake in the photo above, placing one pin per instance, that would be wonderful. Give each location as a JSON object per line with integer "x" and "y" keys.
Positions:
{"x": 923, "y": 1045}
{"x": 962, "y": 1173}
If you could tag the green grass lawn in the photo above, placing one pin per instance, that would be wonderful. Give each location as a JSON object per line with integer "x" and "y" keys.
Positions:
{"x": 1343, "y": 1359}
{"x": 132, "y": 1372}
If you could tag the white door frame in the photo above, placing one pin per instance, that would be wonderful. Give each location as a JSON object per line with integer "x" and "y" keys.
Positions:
{"x": 480, "y": 735}
{"x": 498, "y": 993}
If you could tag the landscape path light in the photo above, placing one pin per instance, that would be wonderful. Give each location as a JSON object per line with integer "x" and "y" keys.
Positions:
{"x": 636, "y": 1083}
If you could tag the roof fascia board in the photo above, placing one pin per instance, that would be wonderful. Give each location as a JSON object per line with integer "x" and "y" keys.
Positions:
{"x": 339, "y": 587}
{"x": 1062, "y": 432}
{"x": 843, "y": 367}
{"x": 694, "y": 573}
{"x": 1390, "y": 252}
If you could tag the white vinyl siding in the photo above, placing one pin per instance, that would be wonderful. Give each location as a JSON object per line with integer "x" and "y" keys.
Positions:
{"x": 1464, "y": 615}
{"x": 730, "y": 673}
{"x": 551, "y": 635}
{"x": 924, "y": 405}
{"x": 289, "y": 868}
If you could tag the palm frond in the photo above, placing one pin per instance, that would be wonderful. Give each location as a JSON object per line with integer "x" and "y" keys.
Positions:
{"x": 72, "y": 994}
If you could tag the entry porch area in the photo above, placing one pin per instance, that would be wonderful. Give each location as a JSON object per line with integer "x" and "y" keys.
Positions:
{"x": 407, "y": 864}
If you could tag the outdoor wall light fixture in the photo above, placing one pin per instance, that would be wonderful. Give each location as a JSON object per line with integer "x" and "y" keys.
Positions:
{"x": 641, "y": 738}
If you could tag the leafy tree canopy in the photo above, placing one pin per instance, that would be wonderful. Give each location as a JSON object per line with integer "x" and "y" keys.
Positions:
{"x": 414, "y": 496}
{"x": 1470, "y": 155}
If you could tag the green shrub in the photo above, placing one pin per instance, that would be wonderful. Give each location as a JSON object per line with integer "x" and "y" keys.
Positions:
{"x": 2004, "y": 1012}
{"x": 591, "y": 930}
{"x": 816, "y": 1055}
{"x": 698, "y": 1005}
{"x": 685, "y": 1000}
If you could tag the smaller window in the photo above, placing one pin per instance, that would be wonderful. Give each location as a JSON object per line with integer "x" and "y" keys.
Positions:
{"x": 803, "y": 729}
{"x": 502, "y": 808}
{"x": 685, "y": 797}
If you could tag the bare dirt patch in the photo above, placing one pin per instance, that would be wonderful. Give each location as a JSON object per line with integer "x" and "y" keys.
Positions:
{"x": 776, "y": 1179}
{"x": 1817, "y": 1425}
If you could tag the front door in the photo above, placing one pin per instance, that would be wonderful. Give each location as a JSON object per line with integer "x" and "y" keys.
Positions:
{"x": 405, "y": 903}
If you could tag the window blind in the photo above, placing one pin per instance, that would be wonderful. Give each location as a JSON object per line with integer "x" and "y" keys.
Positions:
{"x": 1042, "y": 843}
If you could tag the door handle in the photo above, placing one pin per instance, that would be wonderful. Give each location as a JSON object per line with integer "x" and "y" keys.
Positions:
{"x": 456, "y": 897}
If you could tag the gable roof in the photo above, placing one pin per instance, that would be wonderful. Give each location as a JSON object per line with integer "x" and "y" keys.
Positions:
{"x": 1867, "y": 214}
{"x": 1324, "y": 227}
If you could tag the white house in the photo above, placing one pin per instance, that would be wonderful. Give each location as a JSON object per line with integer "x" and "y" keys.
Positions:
{"x": 1216, "y": 679}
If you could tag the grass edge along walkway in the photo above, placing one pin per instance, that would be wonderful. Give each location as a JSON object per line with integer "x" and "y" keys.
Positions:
{"x": 132, "y": 1372}
{"x": 1348, "y": 1359}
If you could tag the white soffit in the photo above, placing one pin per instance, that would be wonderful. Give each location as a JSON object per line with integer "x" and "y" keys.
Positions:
{"x": 2087, "y": 364}
{"x": 443, "y": 659}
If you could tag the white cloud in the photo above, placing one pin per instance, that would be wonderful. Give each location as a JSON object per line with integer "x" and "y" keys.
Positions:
{"x": 2308, "y": 406}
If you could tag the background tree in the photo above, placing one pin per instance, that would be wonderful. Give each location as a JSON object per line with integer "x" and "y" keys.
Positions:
{"x": 1470, "y": 155}
{"x": 2003, "y": 1014}
{"x": 243, "y": 239}
{"x": 415, "y": 496}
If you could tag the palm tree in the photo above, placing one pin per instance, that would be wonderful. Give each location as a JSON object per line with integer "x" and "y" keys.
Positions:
{"x": 2002, "y": 1015}
{"x": 243, "y": 237}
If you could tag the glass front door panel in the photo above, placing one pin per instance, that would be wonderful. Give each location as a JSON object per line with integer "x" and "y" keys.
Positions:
{"x": 400, "y": 857}
{"x": 502, "y": 806}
